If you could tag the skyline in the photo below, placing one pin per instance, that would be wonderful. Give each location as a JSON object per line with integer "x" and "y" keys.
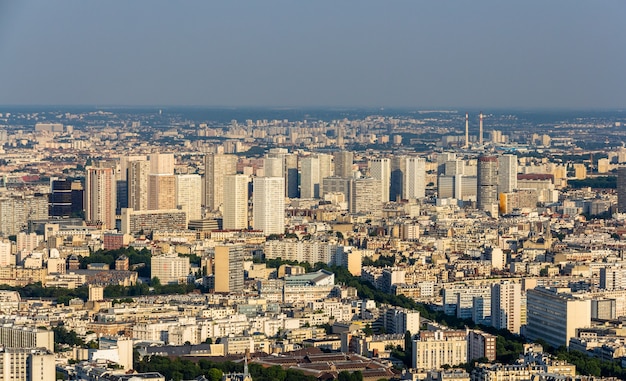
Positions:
{"x": 282, "y": 54}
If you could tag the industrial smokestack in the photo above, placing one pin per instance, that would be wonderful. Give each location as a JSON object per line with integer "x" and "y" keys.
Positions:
{"x": 480, "y": 130}
{"x": 466, "y": 130}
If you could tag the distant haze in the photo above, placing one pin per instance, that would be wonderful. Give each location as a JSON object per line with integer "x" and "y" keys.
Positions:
{"x": 491, "y": 54}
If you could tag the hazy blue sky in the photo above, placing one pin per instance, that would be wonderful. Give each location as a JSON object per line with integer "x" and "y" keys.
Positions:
{"x": 492, "y": 54}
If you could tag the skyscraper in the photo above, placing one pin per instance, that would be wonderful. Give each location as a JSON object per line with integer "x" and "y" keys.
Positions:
{"x": 310, "y": 179}
{"x": 398, "y": 177}
{"x": 414, "y": 178}
{"x": 268, "y": 206}
{"x": 380, "y": 169}
{"x": 506, "y": 299}
{"x": 273, "y": 166}
{"x": 343, "y": 163}
{"x": 100, "y": 196}
{"x": 507, "y": 173}
{"x": 487, "y": 189}
{"x": 138, "y": 172}
{"x": 216, "y": 166}
{"x": 236, "y": 203}
{"x": 228, "y": 272}
{"x": 161, "y": 191}
{"x": 189, "y": 195}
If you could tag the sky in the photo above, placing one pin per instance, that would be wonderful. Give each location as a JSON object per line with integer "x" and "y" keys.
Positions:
{"x": 564, "y": 54}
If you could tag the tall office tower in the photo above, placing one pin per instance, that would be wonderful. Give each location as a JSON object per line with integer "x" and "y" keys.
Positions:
{"x": 621, "y": 189}
{"x": 236, "y": 203}
{"x": 100, "y": 196}
{"x": 442, "y": 159}
{"x": 454, "y": 167}
{"x": 229, "y": 268}
{"x": 554, "y": 314}
{"x": 487, "y": 189}
{"x": 343, "y": 163}
{"x": 273, "y": 166}
{"x": 507, "y": 173}
{"x": 121, "y": 196}
{"x": 162, "y": 191}
{"x": 60, "y": 198}
{"x": 398, "y": 177}
{"x": 506, "y": 299}
{"x": 415, "y": 178}
{"x": 380, "y": 169}
{"x": 189, "y": 195}
{"x": 138, "y": 172}
{"x": 480, "y": 129}
{"x": 365, "y": 195}
{"x": 326, "y": 168}
{"x": 310, "y": 178}
{"x": 291, "y": 176}
{"x": 216, "y": 166}
{"x": 268, "y": 205}
{"x": 162, "y": 163}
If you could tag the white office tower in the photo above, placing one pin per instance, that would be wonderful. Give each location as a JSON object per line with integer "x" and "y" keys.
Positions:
{"x": 236, "y": 202}
{"x": 310, "y": 177}
{"x": 162, "y": 163}
{"x": 506, "y": 301}
{"x": 100, "y": 197}
{"x": 273, "y": 166}
{"x": 507, "y": 173}
{"x": 380, "y": 169}
{"x": 268, "y": 205}
{"x": 138, "y": 172}
{"x": 326, "y": 168}
{"x": 415, "y": 178}
{"x": 189, "y": 195}
{"x": 216, "y": 167}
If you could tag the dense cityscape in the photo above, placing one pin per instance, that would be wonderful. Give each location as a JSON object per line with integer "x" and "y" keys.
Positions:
{"x": 312, "y": 244}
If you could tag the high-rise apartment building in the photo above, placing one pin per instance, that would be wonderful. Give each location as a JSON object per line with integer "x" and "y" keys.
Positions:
{"x": 216, "y": 166}
{"x": 414, "y": 178}
{"x": 273, "y": 166}
{"x": 189, "y": 195}
{"x": 380, "y": 169}
{"x": 161, "y": 191}
{"x": 228, "y": 272}
{"x": 487, "y": 191}
{"x": 365, "y": 195}
{"x": 268, "y": 204}
{"x": 343, "y": 164}
{"x": 506, "y": 299}
{"x": 162, "y": 163}
{"x": 27, "y": 364}
{"x": 554, "y": 314}
{"x": 235, "y": 215}
{"x": 507, "y": 173}
{"x": 138, "y": 172}
{"x": 100, "y": 196}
